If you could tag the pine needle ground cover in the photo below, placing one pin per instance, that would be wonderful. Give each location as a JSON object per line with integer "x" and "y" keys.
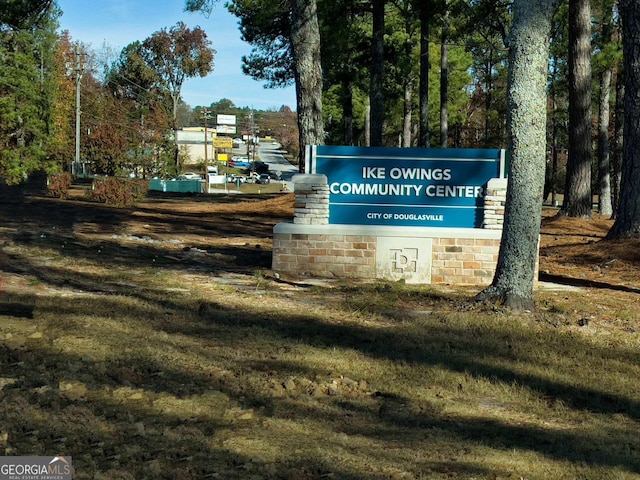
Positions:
{"x": 154, "y": 343}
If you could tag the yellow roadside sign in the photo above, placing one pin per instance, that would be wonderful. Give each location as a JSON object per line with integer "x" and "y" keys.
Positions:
{"x": 223, "y": 157}
{"x": 223, "y": 142}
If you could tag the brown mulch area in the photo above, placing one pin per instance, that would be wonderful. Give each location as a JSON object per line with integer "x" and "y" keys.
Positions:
{"x": 575, "y": 250}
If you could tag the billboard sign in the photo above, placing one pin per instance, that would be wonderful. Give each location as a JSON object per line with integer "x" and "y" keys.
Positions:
{"x": 223, "y": 142}
{"x": 406, "y": 186}
{"x": 226, "y": 119}
{"x": 229, "y": 129}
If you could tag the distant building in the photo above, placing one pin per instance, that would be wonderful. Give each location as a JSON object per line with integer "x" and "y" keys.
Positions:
{"x": 191, "y": 142}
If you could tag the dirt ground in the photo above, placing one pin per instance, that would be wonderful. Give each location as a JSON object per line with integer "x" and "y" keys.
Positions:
{"x": 574, "y": 251}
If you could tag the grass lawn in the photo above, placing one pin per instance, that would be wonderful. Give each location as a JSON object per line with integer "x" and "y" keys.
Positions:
{"x": 156, "y": 343}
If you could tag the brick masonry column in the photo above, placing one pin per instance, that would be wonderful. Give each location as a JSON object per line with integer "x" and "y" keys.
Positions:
{"x": 311, "y": 205}
{"x": 495, "y": 199}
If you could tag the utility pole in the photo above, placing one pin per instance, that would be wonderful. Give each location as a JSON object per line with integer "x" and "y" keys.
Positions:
{"x": 206, "y": 114}
{"x": 77, "y": 69}
{"x": 250, "y": 136}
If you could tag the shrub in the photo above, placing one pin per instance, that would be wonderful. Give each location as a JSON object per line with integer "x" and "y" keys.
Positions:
{"x": 58, "y": 184}
{"x": 118, "y": 192}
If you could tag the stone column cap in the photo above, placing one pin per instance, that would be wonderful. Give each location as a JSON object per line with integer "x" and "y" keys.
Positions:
{"x": 497, "y": 184}
{"x": 310, "y": 178}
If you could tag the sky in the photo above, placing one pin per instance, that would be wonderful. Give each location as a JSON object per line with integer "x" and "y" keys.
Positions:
{"x": 117, "y": 23}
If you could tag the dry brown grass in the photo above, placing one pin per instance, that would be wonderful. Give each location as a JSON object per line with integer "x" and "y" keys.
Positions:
{"x": 154, "y": 343}
{"x": 576, "y": 249}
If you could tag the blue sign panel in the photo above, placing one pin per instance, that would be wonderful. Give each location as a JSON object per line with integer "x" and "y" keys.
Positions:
{"x": 406, "y": 187}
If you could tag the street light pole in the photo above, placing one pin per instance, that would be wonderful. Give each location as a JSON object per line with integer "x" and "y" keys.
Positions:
{"x": 78, "y": 70}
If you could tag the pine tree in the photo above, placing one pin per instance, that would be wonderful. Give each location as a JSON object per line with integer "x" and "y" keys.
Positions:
{"x": 627, "y": 224}
{"x": 528, "y": 64}
{"x": 26, "y": 92}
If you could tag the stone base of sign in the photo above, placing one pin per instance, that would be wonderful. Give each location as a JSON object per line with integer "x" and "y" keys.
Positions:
{"x": 457, "y": 256}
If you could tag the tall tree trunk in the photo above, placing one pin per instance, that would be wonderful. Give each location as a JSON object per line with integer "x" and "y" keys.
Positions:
{"x": 377, "y": 73}
{"x": 488, "y": 100}
{"x": 577, "y": 193}
{"x": 305, "y": 47}
{"x": 367, "y": 126}
{"x": 526, "y": 121}
{"x": 605, "y": 206}
{"x": 627, "y": 224}
{"x": 551, "y": 176}
{"x": 175, "y": 99}
{"x": 604, "y": 177}
{"x": 618, "y": 141}
{"x": 407, "y": 111}
{"x": 444, "y": 79}
{"x": 423, "y": 140}
{"x": 554, "y": 164}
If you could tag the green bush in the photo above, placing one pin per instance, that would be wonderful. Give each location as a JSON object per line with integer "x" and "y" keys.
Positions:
{"x": 58, "y": 184}
{"x": 118, "y": 192}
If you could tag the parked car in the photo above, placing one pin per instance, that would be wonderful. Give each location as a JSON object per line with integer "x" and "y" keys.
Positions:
{"x": 259, "y": 167}
{"x": 263, "y": 178}
{"x": 190, "y": 176}
{"x": 242, "y": 162}
{"x": 236, "y": 178}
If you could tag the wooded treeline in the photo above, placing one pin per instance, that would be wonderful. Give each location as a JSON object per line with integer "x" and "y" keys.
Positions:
{"x": 434, "y": 73}
{"x": 412, "y": 73}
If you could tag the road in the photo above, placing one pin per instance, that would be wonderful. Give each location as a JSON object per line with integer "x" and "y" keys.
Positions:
{"x": 270, "y": 154}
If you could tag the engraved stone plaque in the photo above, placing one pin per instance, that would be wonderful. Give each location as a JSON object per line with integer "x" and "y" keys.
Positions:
{"x": 402, "y": 258}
